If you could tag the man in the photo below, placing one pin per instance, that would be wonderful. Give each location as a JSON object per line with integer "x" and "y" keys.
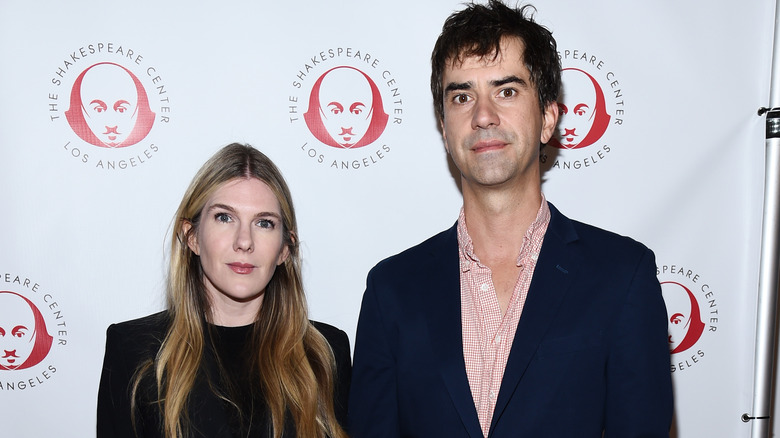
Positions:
{"x": 517, "y": 321}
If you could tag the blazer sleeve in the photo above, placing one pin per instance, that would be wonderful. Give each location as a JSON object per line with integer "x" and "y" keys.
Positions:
{"x": 373, "y": 403}
{"x": 639, "y": 399}
{"x": 113, "y": 405}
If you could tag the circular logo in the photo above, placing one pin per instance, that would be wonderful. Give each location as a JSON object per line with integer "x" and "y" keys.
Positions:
{"x": 32, "y": 326}
{"x": 108, "y": 103}
{"x": 685, "y": 324}
{"x": 591, "y": 108}
{"x": 343, "y": 105}
{"x": 24, "y": 339}
{"x": 109, "y": 107}
{"x": 693, "y": 313}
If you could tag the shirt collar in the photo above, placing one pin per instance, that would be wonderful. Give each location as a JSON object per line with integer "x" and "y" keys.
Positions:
{"x": 466, "y": 245}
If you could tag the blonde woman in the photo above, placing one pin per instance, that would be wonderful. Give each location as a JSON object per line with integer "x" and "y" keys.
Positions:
{"x": 234, "y": 354}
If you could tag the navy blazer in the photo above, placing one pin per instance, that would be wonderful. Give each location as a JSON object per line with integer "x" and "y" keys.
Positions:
{"x": 590, "y": 355}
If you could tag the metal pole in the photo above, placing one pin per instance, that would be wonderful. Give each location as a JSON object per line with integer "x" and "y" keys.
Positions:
{"x": 766, "y": 313}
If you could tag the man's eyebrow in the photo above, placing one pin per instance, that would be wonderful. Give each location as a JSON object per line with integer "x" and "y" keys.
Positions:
{"x": 509, "y": 80}
{"x": 456, "y": 86}
{"x": 512, "y": 79}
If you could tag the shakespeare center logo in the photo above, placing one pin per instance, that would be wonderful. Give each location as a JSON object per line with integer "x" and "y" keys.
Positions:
{"x": 32, "y": 328}
{"x": 343, "y": 106}
{"x": 693, "y": 312}
{"x": 591, "y": 111}
{"x": 107, "y": 102}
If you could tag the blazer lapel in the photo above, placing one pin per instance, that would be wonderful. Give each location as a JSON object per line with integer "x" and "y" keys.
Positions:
{"x": 553, "y": 275}
{"x": 444, "y": 325}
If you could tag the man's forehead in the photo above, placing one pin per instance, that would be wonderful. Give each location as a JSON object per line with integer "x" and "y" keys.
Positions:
{"x": 509, "y": 49}
{"x": 507, "y": 56}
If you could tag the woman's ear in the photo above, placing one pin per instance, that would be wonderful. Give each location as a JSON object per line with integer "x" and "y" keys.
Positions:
{"x": 284, "y": 254}
{"x": 188, "y": 234}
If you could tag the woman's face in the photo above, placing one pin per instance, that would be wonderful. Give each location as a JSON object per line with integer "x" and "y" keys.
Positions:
{"x": 239, "y": 241}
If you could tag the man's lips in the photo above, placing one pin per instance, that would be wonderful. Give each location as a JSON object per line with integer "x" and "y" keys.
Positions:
{"x": 241, "y": 268}
{"x": 489, "y": 145}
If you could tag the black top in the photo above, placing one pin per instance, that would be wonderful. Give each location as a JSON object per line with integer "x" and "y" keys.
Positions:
{"x": 131, "y": 343}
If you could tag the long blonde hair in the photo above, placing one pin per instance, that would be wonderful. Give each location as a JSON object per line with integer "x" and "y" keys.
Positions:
{"x": 295, "y": 363}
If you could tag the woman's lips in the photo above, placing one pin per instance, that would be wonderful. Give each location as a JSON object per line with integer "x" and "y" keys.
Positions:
{"x": 241, "y": 268}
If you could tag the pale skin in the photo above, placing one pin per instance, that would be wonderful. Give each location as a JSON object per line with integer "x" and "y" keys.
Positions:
{"x": 240, "y": 244}
{"x": 492, "y": 129}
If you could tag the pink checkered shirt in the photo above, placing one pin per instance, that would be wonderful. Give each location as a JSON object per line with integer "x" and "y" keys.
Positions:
{"x": 488, "y": 335}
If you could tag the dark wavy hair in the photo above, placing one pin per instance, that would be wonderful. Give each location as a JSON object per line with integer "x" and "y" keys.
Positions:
{"x": 478, "y": 30}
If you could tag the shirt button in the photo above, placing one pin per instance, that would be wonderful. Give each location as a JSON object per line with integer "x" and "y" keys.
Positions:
{"x": 534, "y": 256}
{"x": 498, "y": 339}
{"x": 484, "y": 287}
{"x": 492, "y": 395}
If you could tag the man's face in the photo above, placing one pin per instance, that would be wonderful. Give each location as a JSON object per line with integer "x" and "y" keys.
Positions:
{"x": 493, "y": 125}
{"x": 17, "y": 330}
{"x": 577, "y": 108}
{"x": 346, "y": 105}
{"x": 109, "y": 102}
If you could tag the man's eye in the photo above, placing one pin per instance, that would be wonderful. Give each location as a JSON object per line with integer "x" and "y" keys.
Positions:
{"x": 461, "y": 98}
{"x": 508, "y": 92}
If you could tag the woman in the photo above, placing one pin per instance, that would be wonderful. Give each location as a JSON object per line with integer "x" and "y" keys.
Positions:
{"x": 234, "y": 355}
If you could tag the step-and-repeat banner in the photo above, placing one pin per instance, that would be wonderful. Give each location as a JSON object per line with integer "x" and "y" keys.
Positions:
{"x": 673, "y": 157}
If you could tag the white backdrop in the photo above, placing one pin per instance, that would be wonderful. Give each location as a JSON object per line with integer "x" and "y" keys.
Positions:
{"x": 84, "y": 228}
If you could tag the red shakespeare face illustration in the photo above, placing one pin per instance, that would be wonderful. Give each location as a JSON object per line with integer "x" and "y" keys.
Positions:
{"x": 24, "y": 341}
{"x": 582, "y": 109}
{"x": 685, "y": 324}
{"x": 109, "y": 107}
{"x": 345, "y": 109}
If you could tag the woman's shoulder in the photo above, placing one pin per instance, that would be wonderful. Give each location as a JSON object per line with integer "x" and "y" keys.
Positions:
{"x": 336, "y": 337}
{"x": 140, "y": 334}
{"x": 327, "y": 330}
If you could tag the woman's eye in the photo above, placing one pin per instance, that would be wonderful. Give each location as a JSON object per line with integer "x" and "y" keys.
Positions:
{"x": 222, "y": 217}
{"x": 266, "y": 223}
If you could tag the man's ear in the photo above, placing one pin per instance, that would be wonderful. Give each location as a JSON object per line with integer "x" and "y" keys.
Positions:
{"x": 549, "y": 120}
{"x": 444, "y": 135}
{"x": 190, "y": 237}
